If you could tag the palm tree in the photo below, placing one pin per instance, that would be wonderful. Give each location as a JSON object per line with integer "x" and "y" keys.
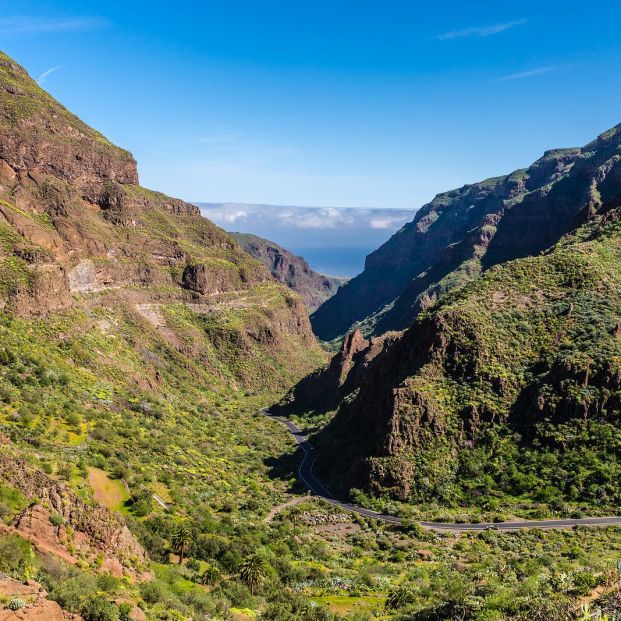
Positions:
{"x": 180, "y": 539}
{"x": 210, "y": 577}
{"x": 252, "y": 572}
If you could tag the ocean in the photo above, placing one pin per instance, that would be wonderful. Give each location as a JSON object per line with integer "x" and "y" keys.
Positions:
{"x": 335, "y": 261}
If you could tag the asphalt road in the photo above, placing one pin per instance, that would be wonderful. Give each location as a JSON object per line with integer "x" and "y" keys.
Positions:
{"x": 307, "y": 474}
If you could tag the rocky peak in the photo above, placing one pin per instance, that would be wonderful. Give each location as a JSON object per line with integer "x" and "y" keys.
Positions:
{"x": 353, "y": 343}
{"x": 514, "y": 215}
{"x": 37, "y": 133}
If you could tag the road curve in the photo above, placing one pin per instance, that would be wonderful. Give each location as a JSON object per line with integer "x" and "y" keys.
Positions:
{"x": 307, "y": 474}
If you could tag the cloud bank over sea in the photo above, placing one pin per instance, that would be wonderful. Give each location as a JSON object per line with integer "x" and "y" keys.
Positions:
{"x": 334, "y": 240}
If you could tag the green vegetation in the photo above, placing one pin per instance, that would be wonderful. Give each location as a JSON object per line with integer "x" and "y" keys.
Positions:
{"x": 364, "y": 571}
{"x": 138, "y": 343}
{"x": 522, "y": 391}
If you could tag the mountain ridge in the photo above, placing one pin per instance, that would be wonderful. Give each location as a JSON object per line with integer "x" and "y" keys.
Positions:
{"x": 291, "y": 270}
{"x": 130, "y": 326}
{"x": 516, "y": 361}
{"x": 456, "y": 236}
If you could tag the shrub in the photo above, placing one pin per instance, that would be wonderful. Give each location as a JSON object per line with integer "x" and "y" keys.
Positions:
{"x": 16, "y": 555}
{"x": 97, "y": 609}
{"x": 152, "y": 592}
{"x": 398, "y": 598}
{"x": 584, "y": 583}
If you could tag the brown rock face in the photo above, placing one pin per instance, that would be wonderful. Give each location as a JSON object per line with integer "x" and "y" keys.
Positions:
{"x": 291, "y": 270}
{"x": 37, "y": 606}
{"x": 465, "y": 231}
{"x": 212, "y": 280}
{"x": 48, "y": 289}
{"x": 97, "y": 530}
{"x": 324, "y": 389}
{"x": 78, "y": 229}
{"x": 36, "y": 133}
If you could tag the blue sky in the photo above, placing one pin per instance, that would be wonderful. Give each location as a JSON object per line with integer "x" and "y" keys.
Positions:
{"x": 353, "y": 103}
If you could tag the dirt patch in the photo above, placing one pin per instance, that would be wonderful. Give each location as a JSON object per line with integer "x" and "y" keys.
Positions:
{"x": 278, "y": 508}
{"x": 108, "y": 492}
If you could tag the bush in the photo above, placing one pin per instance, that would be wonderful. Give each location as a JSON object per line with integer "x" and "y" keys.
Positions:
{"x": 584, "y": 584}
{"x": 398, "y": 598}
{"x": 97, "y": 609}
{"x": 16, "y": 555}
{"x": 11, "y": 500}
{"x": 71, "y": 592}
{"x": 124, "y": 611}
{"x": 152, "y": 592}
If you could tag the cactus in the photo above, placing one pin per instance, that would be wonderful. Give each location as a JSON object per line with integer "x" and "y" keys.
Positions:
{"x": 16, "y": 604}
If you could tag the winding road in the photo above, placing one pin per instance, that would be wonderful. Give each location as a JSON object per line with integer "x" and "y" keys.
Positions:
{"x": 307, "y": 474}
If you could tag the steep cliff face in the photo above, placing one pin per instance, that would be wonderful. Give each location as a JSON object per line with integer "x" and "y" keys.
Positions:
{"x": 323, "y": 390}
{"x": 511, "y": 379}
{"x": 504, "y": 387}
{"x": 291, "y": 270}
{"x": 75, "y": 223}
{"x": 465, "y": 231}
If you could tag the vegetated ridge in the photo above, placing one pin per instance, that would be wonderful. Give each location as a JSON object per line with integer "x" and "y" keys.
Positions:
{"x": 135, "y": 335}
{"x": 137, "y": 344}
{"x": 508, "y": 387}
{"x": 291, "y": 270}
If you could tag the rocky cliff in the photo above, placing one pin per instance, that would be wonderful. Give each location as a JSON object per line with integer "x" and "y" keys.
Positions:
{"x": 506, "y": 384}
{"x": 76, "y": 225}
{"x": 460, "y": 234}
{"x": 291, "y": 270}
{"x": 37, "y": 606}
{"x": 58, "y": 522}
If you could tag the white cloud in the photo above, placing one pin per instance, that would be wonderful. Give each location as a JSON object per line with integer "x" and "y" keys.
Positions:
{"x": 382, "y": 223}
{"x": 305, "y": 218}
{"x": 225, "y": 137}
{"x": 527, "y": 74}
{"x": 24, "y": 24}
{"x": 480, "y": 31}
{"x": 44, "y": 76}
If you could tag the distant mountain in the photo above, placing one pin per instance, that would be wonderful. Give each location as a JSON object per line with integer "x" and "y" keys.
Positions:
{"x": 291, "y": 270}
{"x": 334, "y": 240}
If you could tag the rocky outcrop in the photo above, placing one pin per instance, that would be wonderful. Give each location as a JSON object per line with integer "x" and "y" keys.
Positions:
{"x": 291, "y": 270}
{"x": 211, "y": 280}
{"x": 324, "y": 389}
{"x": 36, "y": 606}
{"x": 55, "y": 507}
{"x": 37, "y": 133}
{"x": 525, "y": 354}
